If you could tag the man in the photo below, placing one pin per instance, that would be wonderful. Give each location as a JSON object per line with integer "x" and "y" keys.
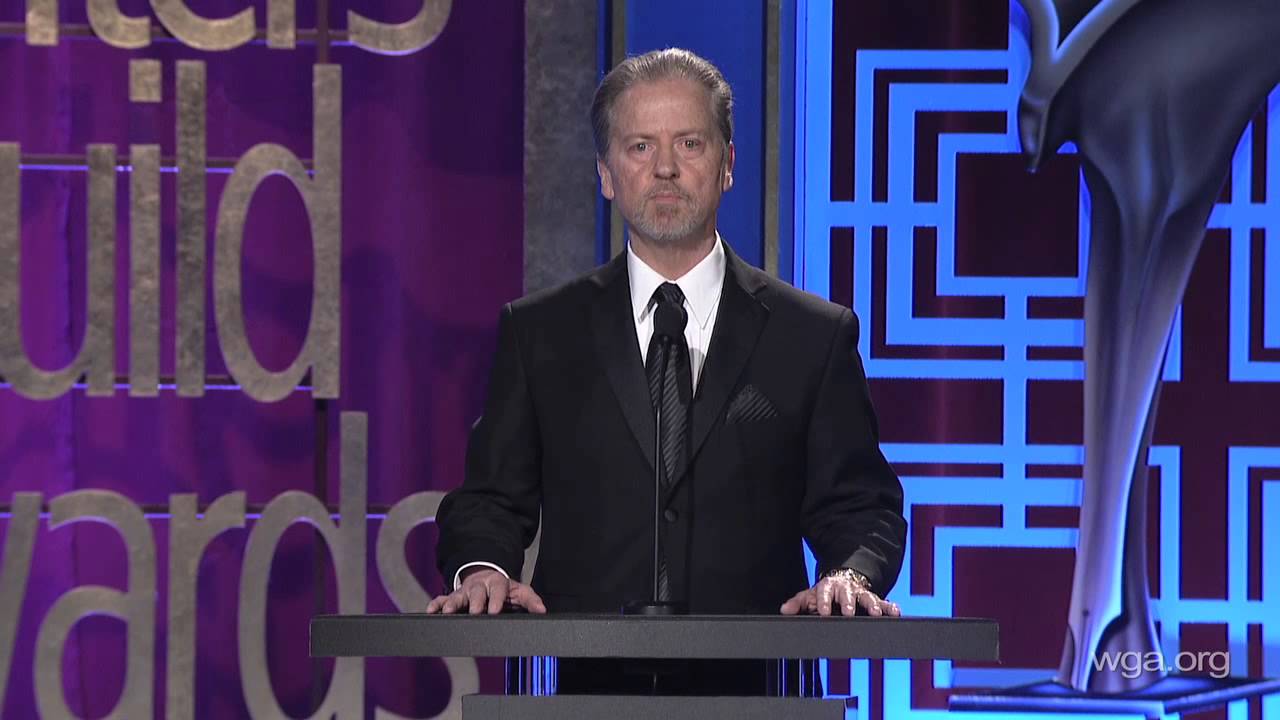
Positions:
{"x": 771, "y": 434}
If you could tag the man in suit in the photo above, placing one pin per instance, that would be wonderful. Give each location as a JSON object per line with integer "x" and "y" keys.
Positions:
{"x": 770, "y": 437}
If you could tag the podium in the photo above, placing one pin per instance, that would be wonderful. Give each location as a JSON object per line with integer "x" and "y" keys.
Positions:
{"x": 799, "y": 640}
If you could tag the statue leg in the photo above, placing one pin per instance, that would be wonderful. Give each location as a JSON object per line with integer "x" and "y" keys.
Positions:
{"x": 1139, "y": 265}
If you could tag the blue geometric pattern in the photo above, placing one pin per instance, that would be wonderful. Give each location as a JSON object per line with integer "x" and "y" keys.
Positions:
{"x": 900, "y": 213}
{"x": 1239, "y": 217}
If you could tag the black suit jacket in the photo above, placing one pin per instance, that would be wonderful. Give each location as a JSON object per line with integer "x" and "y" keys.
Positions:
{"x": 568, "y": 430}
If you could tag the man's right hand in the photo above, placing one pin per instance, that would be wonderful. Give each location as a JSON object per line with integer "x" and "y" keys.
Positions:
{"x": 485, "y": 590}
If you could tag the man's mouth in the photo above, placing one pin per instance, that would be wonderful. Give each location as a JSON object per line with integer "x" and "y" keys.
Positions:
{"x": 666, "y": 196}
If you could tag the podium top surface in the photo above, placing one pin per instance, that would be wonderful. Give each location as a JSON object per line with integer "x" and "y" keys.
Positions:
{"x": 681, "y": 636}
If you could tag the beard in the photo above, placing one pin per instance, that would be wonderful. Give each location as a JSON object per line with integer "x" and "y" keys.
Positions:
{"x": 669, "y": 223}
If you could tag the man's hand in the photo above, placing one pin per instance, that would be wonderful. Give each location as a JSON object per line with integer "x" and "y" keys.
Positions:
{"x": 485, "y": 590}
{"x": 844, "y": 591}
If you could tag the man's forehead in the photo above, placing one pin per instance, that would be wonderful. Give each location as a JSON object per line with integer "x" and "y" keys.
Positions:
{"x": 651, "y": 101}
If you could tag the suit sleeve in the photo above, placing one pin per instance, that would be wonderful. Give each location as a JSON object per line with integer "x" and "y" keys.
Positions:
{"x": 852, "y": 507}
{"x": 493, "y": 516}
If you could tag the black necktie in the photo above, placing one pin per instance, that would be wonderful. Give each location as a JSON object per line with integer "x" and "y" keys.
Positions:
{"x": 674, "y": 387}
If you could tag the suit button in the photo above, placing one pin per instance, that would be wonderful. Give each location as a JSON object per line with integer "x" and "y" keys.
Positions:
{"x": 670, "y": 515}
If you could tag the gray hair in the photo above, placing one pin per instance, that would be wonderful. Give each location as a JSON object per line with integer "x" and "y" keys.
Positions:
{"x": 653, "y": 66}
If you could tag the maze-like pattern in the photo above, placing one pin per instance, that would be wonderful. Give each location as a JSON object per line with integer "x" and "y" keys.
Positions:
{"x": 1253, "y": 502}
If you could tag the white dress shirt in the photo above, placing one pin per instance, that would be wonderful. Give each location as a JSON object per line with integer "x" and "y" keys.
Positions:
{"x": 701, "y": 287}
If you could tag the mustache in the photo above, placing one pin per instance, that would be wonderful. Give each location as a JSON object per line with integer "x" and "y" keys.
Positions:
{"x": 667, "y": 190}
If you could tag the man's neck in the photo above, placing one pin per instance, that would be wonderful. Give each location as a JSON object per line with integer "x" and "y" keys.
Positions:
{"x": 672, "y": 261}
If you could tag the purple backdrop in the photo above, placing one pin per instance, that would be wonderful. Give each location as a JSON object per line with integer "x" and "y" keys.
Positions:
{"x": 432, "y": 246}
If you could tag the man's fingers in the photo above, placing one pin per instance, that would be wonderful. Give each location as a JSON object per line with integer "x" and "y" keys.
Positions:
{"x": 525, "y": 597}
{"x": 870, "y": 603}
{"x": 890, "y": 609}
{"x": 820, "y": 598}
{"x": 476, "y": 597}
{"x": 496, "y": 588}
{"x": 826, "y": 596}
{"x": 848, "y": 602}
{"x": 454, "y": 602}
{"x": 798, "y": 603}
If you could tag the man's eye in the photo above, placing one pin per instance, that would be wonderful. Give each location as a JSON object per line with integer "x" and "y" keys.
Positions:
{"x": 692, "y": 144}
{"x": 640, "y": 146}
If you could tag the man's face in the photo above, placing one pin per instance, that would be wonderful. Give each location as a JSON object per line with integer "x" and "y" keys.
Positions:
{"x": 667, "y": 164}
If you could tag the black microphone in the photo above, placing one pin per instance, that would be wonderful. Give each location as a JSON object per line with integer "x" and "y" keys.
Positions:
{"x": 669, "y": 320}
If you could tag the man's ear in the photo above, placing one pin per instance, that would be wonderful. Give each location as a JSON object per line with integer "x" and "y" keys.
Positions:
{"x": 727, "y": 181}
{"x": 606, "y": 179}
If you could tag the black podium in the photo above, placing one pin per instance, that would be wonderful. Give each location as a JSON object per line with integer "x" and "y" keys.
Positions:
{"x": 800, "y": 640}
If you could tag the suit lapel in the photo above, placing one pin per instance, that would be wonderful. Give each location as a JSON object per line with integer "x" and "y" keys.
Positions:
{"x": 740, "y": 319}
{"x": 614, "y": 330}
{"x": 739, "y": 322}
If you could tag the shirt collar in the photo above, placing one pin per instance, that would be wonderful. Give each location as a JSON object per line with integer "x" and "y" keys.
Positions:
{"x": 701, "y": 285}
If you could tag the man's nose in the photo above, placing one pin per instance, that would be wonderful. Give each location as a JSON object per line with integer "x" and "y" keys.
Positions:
{"x": 664, "y": 162}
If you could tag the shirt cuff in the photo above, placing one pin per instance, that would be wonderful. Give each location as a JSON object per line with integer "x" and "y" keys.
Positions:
{"x": 457, "y": 577}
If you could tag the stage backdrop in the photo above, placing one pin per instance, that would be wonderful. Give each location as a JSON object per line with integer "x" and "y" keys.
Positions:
{"x": 913, "y": 207}
{"x": 428, "y": 247}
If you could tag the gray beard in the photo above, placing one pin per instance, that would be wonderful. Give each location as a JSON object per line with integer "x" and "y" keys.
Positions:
{"x": 670, "y": 231}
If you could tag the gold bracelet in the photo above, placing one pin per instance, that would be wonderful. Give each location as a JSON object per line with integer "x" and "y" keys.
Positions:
{"x": 858, "y": 579}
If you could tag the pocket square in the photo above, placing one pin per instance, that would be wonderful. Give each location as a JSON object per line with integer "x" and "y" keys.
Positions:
{"x": 750, "y": 405}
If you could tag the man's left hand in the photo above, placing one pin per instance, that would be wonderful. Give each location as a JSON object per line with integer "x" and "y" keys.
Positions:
{"x": 843, "y": 591}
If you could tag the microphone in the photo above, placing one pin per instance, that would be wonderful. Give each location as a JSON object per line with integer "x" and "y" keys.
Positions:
{"x": 669, "y": 320}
